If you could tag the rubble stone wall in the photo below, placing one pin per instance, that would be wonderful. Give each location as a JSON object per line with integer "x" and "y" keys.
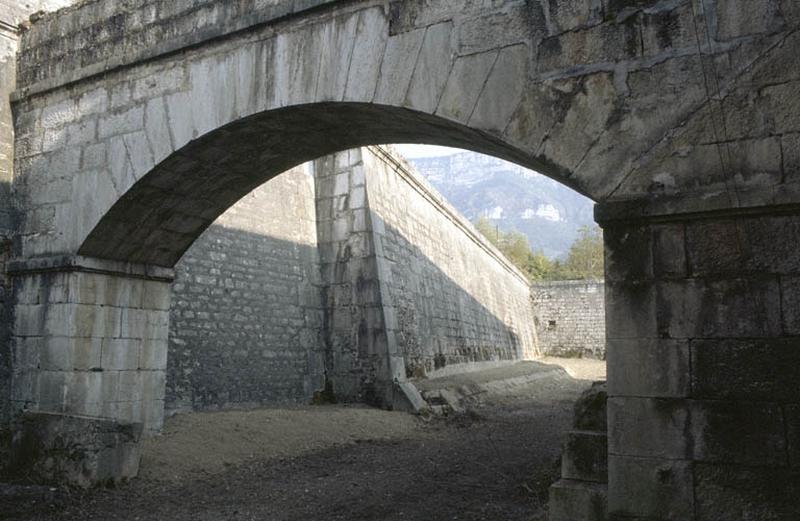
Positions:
{"x": 245, "y": 317}
{"x": 570, "y": 318}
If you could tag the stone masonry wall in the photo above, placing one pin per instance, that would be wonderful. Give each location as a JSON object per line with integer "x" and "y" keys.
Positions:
{"x": 456, "y": 300}
{"x": 410, "y": 287}
{"x": 12, "y": 13}
{"x": 245, "y": 318}
{"x": 570, "y": 318}
{"x": 8, "y": 48}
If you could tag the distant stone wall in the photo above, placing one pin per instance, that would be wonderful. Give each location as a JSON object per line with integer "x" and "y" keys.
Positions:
{"x": 245, "y": 316}
{"x": 570, "y": 318}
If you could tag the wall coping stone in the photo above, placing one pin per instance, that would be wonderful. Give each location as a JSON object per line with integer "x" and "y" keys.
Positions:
{"x": 79, "y": 263}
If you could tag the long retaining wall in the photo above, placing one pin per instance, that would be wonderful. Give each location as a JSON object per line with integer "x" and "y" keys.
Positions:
{"x": 570, "y": 318}
{"x": 412, "y": 289}
{"x": 457, "y": 299}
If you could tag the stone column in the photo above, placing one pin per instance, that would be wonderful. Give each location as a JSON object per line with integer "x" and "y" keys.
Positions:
{"x": 89, "y": 350}
{"x": 703, "y": 313}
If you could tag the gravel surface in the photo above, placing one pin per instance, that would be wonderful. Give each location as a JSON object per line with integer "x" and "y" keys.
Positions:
{"x": 494, "y": 462}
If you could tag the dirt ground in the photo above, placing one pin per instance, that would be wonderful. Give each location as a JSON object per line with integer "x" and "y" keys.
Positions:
{"x": 493, "y": 462}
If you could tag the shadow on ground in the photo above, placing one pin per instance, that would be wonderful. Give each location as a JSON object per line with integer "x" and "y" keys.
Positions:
{"x": 493, "y": 461}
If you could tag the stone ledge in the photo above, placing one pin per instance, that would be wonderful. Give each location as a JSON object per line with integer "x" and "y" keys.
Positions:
{"x": 79, "y": 263}
{"x": 769, "y": 200}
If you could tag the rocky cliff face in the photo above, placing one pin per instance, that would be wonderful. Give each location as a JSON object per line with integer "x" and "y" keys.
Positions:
{"x": 512, "y": 197}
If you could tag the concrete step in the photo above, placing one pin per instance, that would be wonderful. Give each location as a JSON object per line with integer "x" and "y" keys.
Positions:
{"x": 572, "y": 500}
{"x": 584, "y": 456}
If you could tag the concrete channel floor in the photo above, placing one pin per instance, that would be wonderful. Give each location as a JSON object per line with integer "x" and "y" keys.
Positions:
{"x": 493, "y": 460}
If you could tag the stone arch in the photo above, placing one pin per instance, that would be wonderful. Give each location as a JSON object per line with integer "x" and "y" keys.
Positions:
{"x": 512, "y": 80}
{"x": 679, "y": 117}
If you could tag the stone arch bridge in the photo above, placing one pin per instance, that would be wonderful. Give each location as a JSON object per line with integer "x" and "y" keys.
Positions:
{"x": 139, "y": 122}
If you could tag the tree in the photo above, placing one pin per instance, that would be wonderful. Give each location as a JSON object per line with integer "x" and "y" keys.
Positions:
{"x": 585, "y": 258}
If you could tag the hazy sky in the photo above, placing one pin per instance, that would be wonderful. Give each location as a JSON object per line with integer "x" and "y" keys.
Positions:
{"x": 412, "y": 151}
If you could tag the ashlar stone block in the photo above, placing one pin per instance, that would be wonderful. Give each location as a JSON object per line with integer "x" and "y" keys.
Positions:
{"x": 503, "y": 90}
{"x": 436, "y": 55}
{"x": 726, "y": 492}
{"x": 650, "y": 488}
{"x": 398, "y": 66}
{"x": 464, "y": 85}
{"x": 649, "y": 427}
{"x": 372, "y": 33}
{"x": 649, "y": 368}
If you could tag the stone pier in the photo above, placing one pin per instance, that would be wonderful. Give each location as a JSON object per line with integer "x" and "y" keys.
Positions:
{"x": 704, "y": 392}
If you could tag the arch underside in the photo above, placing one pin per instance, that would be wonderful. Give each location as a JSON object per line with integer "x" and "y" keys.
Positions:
{"x": 159, "y": 217}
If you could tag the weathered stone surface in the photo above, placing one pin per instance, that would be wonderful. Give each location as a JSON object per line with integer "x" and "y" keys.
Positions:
{"x": 669, "y": 255}
{"x": 572, "y": 500}
{"x": 759, "y": 438}
{"x": 649, "y": 427}
{"x": 76, "y": 450}
{"x": 570, "y": 318}
{"x": 92, "y": 328}
{"x": 464, "y": 85}
{"x": 584, "y": 456}
{"x": 648, "y": 367}
{"x": 503, "y": 90}
{"x": 245, "y": 320}
{"x": 628, "y": 254}
{"x": 572, "y": 14}
{"x": 792, "y": 418}
{"x": 697, "y": 308}
{"x": 427, "y": 85}
{"x": 743, "y": 245}
{"x": 737, "y": 19}
{"x": 655, "y": 104}
{"x": 745, "y": 370}
{"x": 590, "y": 409}
{"x": 738, "y": 492}
{"x": 389, "y": 286}
{"x": 399, "y": 62}
{"x": 630, "y": 310}
{"x": 650, "y": 488}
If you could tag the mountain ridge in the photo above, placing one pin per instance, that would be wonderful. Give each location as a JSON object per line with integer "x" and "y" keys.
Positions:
{"x": 512, "y": 197}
